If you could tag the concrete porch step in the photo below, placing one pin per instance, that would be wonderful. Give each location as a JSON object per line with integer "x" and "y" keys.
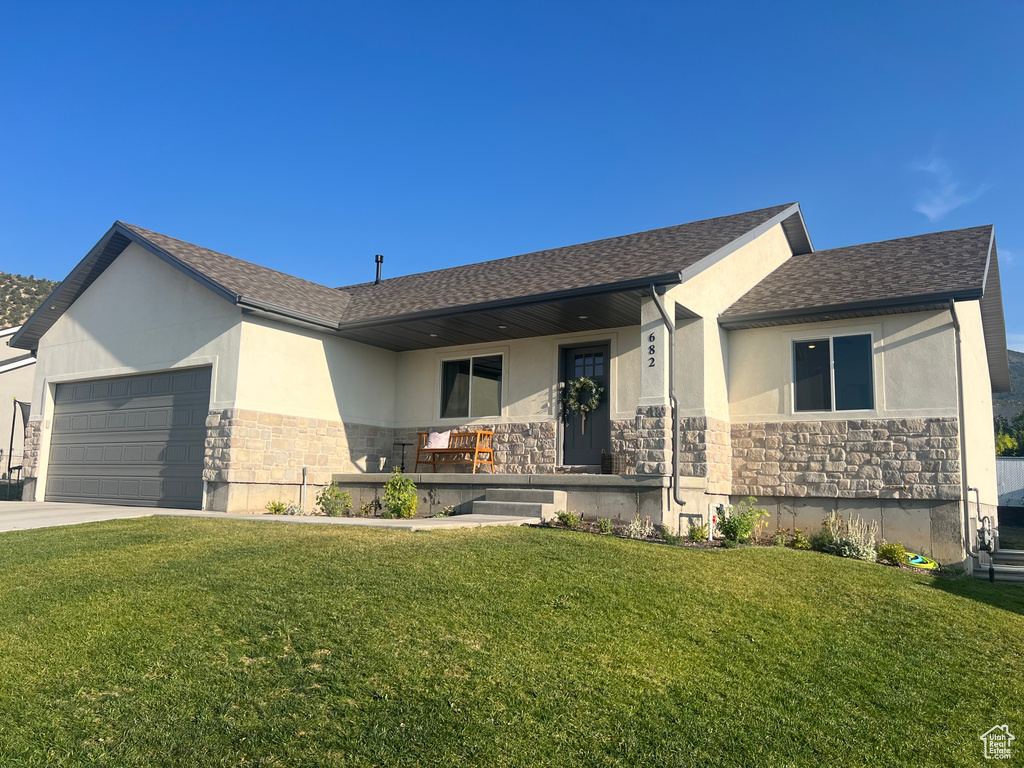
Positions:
{"x": 1008, "y": 557}
{"x": 531, "y": 502}
{"x": 1008, "y": 574}
{"x": 510, "y": 508}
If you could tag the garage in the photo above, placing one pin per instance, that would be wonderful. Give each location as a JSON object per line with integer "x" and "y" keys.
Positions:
{"x": 134, "y": 440}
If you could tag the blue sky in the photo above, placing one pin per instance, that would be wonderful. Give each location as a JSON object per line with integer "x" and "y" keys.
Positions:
{"x": 309, "y": 136}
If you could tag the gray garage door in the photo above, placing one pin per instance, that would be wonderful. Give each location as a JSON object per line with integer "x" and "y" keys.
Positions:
{"x": 134, "y": 440}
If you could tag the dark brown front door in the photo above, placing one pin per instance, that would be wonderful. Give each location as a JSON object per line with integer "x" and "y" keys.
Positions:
{"x": 583, "y": 442}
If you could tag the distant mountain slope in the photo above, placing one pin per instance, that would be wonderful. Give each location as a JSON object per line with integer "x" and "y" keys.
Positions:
{"x": 20, "y": 296}
{"x": 1006, "y": 404}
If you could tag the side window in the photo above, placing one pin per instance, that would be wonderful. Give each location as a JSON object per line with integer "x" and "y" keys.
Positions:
{"x": 833, "y": 374}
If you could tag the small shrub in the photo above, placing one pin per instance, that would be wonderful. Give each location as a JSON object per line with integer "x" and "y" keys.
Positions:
{"x": 640, "y": 529}
{"x": 698, "y": 533}
{"x": 821, "y": 539}
{"x": 570, "y": 519}
{"x": 604, "y": 525}
{"x": 447, "y": 511}
{"x": 277, "y": 507}
{"x": 953, "y": 571}
{"x": 780, "y": 538}
{"x": 399, "y": 496}
{"x": 295, "y": 509}
{"x": 740, "y": 522}
{"x": 669, "y": 537}
{"x": 895, "y": 554}
{"x": 799, "y": 541}
{"x": 730, "y": 544}
{"x": 333, "y": 501}
{"x": 371, "y": 508}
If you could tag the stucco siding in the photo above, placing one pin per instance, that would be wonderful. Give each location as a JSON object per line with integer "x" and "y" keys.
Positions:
{"x": 285, "y": 369}
{"x": 13, "y": 384}
{"x": 913, "y": 359}
{"x": 708, "y": 294}
{"x": 977, "y": 386}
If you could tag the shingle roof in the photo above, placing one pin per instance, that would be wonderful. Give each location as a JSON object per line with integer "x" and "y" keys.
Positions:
{"x": 941, "y": 264}
{"x": 654, "y": 253}
{"x": 243, "y": 278}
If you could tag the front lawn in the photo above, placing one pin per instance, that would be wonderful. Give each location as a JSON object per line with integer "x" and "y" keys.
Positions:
{"x": 190, "y": 642}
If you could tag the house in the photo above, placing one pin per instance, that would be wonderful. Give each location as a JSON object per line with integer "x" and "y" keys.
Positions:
{"x": 16, "y": 376}
{"x": 736, "y": 360}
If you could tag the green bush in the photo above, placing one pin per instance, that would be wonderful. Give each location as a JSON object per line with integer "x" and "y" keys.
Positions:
{"x": 604, "y": 525}
{"x": 799, "y": 541}
{"x": 821, "y": 540}
{"x": 333, "y": 501}
{"x": 669, "y": 537}
{"x": 738, "y": 523}
{"x": 893, "y": 553}
{"x": 730, "y": 544}
{"x": 698, "y": 533}
{"x": 277, "y": 507}
{"x": 399, "y": 496}
{"x": 570, "y": 519}
{"x": 780, "y": 538}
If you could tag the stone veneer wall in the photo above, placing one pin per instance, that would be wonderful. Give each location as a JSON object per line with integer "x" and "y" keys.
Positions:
{"x": 255, "y": 447}
{"x": 866, "y": 458}
{"x": 706, "y": 451}
{"x": 521, "y": 448}
{"x": 33, "y": 439}
{"x": 652, "y": 438}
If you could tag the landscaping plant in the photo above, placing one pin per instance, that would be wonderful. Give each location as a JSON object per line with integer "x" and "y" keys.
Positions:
{"x": 570, "y": 519}
{"x": 277, "y": 507}
{"x": 799, "y": 541}
{"x": 604, "y": 525}
{"x": 698, "y": 533}
{"x": 333, "y": 501}
{"x": 640, "y": 529}
{"x": 739, "y": 523}
{"x": 399, "y": 496}
{"x": 371, "y": 508}
{"x": 853, "y": 537}
{"x": 894, "y": 554}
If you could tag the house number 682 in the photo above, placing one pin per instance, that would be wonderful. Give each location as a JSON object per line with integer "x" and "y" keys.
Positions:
{"x": 651, "y": 349}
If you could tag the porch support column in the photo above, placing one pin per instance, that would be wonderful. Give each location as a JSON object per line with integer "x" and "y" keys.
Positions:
{"x": 653, "y": 425}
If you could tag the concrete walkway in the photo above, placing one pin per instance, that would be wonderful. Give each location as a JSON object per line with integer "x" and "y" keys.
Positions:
{"x": 22, "y": 515}
{"x": 425, "y": 524}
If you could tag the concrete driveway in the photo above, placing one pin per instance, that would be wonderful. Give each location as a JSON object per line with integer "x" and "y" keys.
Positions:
{"x": 22, "y": 515}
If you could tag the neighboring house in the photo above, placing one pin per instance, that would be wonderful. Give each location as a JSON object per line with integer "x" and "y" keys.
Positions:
{"x": 855, "y": 379}
{"x": 16, "y": 377}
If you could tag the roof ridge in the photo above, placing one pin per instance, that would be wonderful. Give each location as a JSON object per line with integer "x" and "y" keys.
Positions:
{"x": 906, "y": 237}
{"x": 566, "y": 247}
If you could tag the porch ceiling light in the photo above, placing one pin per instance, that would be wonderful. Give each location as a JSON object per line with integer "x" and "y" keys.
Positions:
{"x": 433, "y": 335}
{"x": 583, "y": 317}
{"x": 503, "y": 327}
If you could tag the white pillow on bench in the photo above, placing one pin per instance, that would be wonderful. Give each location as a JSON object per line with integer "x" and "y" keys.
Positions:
{"x": 438, "y": 439}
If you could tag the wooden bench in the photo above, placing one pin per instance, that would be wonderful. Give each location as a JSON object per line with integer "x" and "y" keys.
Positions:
{"x": 464, "y": 448}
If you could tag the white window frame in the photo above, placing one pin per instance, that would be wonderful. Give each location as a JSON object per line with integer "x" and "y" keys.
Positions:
{"x": 469, "y": 409}
{"x": 832, "y": 371}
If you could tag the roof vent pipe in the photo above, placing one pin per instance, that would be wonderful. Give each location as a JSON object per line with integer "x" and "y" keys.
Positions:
{"x": 380, "y": 262}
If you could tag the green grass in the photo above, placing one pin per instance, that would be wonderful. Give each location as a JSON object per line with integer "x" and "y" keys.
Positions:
{"x": 197, "y": 642}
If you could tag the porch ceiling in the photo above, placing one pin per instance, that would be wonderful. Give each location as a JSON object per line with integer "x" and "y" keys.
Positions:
{"x": 545, "y": 318}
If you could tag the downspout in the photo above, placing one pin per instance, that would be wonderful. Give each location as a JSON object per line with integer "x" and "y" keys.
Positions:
{"x": 965, "y": 489}
{"x": 671, "y": 395}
